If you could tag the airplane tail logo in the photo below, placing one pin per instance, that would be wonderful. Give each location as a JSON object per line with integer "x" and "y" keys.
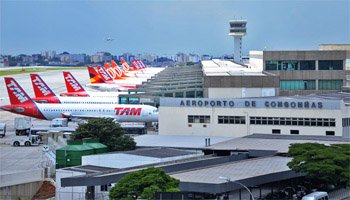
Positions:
{"x": 40, "y": 87}
{"x": 142, "y": 64}
{"x": 20, "y": 101}
{"x": 115, "y": 74}
{"x": 102, "y": 72}
{"x": 16, "y": 94}
{"x": 135, "y": 65}
{"x": 71, "y": 83}
{"x": 115, "y": 67}
{"x": 126, "y": 67}
{"x": 94, "y": 76}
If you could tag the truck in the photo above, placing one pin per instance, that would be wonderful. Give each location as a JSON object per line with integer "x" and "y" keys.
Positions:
{"x": 59, "y": 122}
{"x": 2, "y": 130}
{"x": 31, "y": 140}
{"x": 22, "y": 125}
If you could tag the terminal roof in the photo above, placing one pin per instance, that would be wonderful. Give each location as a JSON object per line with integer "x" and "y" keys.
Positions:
{"x": 217, "y": 67}
{"x": 177, "y": 141}
{"x": 278, "y": 143}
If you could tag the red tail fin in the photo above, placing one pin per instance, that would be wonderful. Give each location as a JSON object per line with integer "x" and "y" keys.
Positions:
{"x": 71, "y": 83}
{"x": 105, "y": 76}
{"x": 126, "y": 67}
{"x": 142, "y": 64}
{"x": 41, "y": 89}
{"x": 16, "y": 94}
{"x": 94, "y": 76}
{"x": 20, "y": 101}
{"x": 115, "y": 66}
{"x": 116, "y": 75}
{"x": 135, "y": 65}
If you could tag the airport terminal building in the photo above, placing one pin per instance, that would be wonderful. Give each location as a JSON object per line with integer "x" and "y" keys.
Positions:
{"x": 322, "y": 114}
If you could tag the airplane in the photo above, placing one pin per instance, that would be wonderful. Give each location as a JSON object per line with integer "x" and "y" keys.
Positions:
{"x": 109, "y": 39}
{"x": 97, "y": 82}
{"x": 75, "y": 89}
{"x": 123, "y": 83}
{"x": 43, "y": 94}
{"x": 22, "y": 104}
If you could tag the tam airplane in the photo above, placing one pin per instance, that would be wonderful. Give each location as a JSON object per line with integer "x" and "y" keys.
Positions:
{"x": 75, "y": 89}
{"x": 43, "y": 94}
{"x": 22, "y": 104}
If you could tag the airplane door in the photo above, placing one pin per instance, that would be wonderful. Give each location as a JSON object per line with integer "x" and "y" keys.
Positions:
{"x": 35, "y": 111}
{"x": 144, "y": 113}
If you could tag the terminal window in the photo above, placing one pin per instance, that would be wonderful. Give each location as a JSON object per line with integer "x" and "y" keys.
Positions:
{"x": 290, "y": 65}
{"x": 199, "y": 119}
{"x": 298, "y": 85}
{"x": 231, "y": 119}
{"x": 286, "y": 121}
{"x": 330, "y": 65}
{"x": 330, "y": 84}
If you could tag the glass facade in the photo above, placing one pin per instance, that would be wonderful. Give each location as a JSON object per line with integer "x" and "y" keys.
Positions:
{"x": 298, "y": 85}
{"x": 330, "y": 84}
{"x": 290, "y": 65}
{"x": 238, "y": 31}
{"x": 330, "y": 65}
{"x": 237, "y": 25}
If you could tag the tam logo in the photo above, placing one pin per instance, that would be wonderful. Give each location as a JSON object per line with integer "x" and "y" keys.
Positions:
{"x": 17, "y": 92}
{"x": 72, "y": 82}
{"x": 103, "y": 73}
{"x": 42, "y": 87}
{"x": 127, "y": 111}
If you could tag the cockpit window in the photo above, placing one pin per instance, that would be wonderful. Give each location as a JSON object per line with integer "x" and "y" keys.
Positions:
{"x": 155, "y": 111}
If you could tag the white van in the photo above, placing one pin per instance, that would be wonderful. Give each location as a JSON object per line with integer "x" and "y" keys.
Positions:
{"x": 316, "y": 196}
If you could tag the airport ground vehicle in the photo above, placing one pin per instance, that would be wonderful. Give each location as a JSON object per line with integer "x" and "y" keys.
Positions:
{"x": 22, "y": 125}
{"x": 2, "y": 130}
{"x": 316, "y": 196}
{"x": 59, "y": 122}
{"x": 31, "y": 140}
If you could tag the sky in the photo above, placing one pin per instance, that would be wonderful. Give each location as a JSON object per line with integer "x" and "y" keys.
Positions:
{"x": 169, "y": 26}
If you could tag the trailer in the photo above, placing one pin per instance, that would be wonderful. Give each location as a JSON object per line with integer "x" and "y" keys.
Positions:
{"x": 2, "y": 130}
{"x": 31, "y": 140}
{"x": 22, "y": 125}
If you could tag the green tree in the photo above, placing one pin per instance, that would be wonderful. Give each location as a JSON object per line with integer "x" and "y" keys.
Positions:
{"x": 328, "y": 163}
{"x": 144, "y": 184}
{"x": 109, "y": 132}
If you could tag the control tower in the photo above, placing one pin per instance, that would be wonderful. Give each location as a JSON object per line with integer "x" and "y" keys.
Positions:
{"x": 238, "y": 30}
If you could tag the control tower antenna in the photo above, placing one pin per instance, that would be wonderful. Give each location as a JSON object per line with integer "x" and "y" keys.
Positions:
{"x": 238, "y": 30}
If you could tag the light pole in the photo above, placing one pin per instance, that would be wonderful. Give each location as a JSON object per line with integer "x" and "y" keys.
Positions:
{"x": 229, "y": 180}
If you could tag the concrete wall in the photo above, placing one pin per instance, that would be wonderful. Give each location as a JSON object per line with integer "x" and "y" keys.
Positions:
{"x": 68, "y": 193}
{"x": 241, "y": 81}
{"x": 180, "y": 126}
{"x": 26, "y": 190}
{"x": 256, "y": 60}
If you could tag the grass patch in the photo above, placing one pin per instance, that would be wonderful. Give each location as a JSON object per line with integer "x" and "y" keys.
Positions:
{"x": 26, "y": 70}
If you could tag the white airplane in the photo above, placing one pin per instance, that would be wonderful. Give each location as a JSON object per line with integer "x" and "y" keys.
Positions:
{"x": 97, "y": 82}
{"x": 22, "y": 104}
{"x": 43, "y": 94}
{"x": 75, "y": 89}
